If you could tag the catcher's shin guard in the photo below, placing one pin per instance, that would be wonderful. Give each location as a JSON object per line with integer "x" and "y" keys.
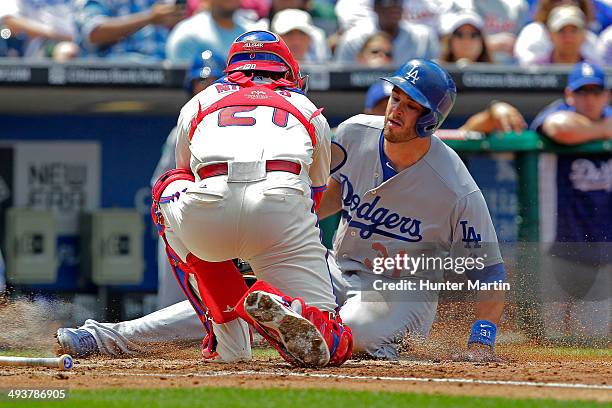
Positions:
{"x": 217, "y": 286}
{"x": 302, "y": 334}
{"x": 220, "y": 284}
{"x": 181, "y": 272}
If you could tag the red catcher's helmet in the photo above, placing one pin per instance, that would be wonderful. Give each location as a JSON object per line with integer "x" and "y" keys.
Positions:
{"x": 263, "y": 51}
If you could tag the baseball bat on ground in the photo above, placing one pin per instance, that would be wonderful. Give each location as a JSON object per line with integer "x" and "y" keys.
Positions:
{"x": 63, "y": 362}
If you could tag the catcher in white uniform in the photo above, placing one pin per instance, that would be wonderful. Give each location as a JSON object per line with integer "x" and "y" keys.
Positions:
{"x": 401, "y": 192}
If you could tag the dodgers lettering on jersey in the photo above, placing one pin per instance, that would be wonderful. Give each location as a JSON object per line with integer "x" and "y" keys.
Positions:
{"x": 370, "y": 218}
{"x": 252, "y": 133}
{"x": 433, "y": 208}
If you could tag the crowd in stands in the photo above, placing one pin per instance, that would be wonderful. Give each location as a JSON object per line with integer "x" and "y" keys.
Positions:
{"x": 369, "y": 33}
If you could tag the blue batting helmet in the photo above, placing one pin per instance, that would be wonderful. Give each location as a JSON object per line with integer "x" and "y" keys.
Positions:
{"x": 431, "y": 87}
{"x": 205, "y": 65}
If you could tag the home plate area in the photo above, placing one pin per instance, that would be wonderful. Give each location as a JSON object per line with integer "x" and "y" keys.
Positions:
{"x": 523, "y": 375}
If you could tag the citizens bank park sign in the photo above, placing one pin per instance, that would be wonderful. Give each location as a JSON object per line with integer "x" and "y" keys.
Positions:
{"x": 478, "y": 77}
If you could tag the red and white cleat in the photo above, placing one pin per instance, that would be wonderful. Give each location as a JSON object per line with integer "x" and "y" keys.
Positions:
{"x": 279, "y": 319}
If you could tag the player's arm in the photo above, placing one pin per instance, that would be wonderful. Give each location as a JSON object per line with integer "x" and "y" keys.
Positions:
{"x": 490, "y": 305}
{"x": 572, "y": 128}
{"x": 474, "y": 237}
{"x": 489, "y": 308}
{"x": 331, "y": 202}
{"x": 332, "y": 199}
{"x": 319, "y": 169}
{"x": 499, "y": 116}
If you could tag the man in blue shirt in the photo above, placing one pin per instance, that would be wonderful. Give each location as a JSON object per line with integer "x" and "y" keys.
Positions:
{"x": 576, "y": 210}
{"x": 127, "y": 29}
{"x": 214, "y": 29}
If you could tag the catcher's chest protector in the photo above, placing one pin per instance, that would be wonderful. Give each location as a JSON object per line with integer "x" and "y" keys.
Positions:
{"x": 252, "y": 94}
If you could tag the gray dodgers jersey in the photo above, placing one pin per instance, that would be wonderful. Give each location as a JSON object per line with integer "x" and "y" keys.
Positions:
{"x": 433, "y": 208}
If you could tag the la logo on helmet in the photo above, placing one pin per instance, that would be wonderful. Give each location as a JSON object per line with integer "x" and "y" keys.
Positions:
{"x": 587, "y": 70}
{"x": 413, "y": 75}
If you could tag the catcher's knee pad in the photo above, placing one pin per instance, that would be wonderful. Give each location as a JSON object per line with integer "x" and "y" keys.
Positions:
{"x": 158, "y": 188}
{"x": 337, "y": 336}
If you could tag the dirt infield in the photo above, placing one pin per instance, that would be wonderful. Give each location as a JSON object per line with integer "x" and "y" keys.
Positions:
{"x": 538, "y": 377}
{"x": 529, "y": 370}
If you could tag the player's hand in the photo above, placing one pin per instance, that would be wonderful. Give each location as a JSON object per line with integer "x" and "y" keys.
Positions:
{"x": 477, "y": 353}
{"x": 167, "y": 15}
{"x": 507, "y": 118}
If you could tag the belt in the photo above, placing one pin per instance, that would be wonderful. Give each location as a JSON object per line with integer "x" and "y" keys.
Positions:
{"x": 219, "y": 169}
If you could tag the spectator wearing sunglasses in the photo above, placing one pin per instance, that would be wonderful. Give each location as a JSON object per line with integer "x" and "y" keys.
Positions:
{"x": 503, "y": 20}
{"x": 410, "y": 40}
{"x": 576, "y": 211}
{"x": 377, "y": 51}
{"x": 462, "y": 39}
{"x": 567, "y": 27}
{"x": 534, "y": 41}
